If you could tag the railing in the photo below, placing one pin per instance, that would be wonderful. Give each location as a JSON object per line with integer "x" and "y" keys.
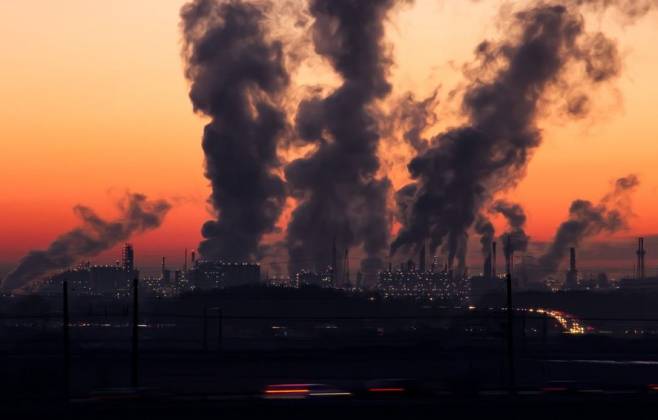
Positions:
{"x": 136, "y": 331}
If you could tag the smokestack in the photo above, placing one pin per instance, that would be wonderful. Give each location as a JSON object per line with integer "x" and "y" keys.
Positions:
{"x": 572, "y": 261}
{"x": 185, "y": 262}
{"x": 509, "y": 255}
{"x": 640, "y": 258}
{"x": 572, "y": 275}
{"x": 421, "y": 260}
{"x": 334, "y": 262}
{"x": 486, "y": 271}
{"x": 346, "y": 267}
{"x": 493, "y": 259}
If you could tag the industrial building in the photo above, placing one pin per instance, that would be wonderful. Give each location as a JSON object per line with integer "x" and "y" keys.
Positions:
{"x": 206, "y": 275}
{"x": 96, "y": 280}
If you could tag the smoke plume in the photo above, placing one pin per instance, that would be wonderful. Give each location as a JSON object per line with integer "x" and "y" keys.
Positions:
{"x": 93, "y": 236}
{"x": 338, "y": 193}
{"x": 238, "y": 76}
{"x": 586, "y": 220}
{"x": 514, "y": 239}
{"x": 412, "y": 116}
{"x": 630, "y": 9}
{"x": 485, "y": 229}
{"x": 547, "y": 51}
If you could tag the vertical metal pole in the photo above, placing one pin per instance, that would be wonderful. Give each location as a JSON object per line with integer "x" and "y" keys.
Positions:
{"x": 205, "y": 328}
{"x": 523, "y": 332}
{"x": 220, "y": 328}
{"x": 544, "y": 332}
{"x": 134, "y": 377}
{"x": 67, "y": 338}
{"x": 510, "y": 320}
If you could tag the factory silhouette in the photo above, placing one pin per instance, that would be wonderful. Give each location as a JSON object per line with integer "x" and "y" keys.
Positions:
{"x": 412, "y": 278}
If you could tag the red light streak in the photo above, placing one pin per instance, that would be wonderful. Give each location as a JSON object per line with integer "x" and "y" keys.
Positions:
{"x": 386, "y": 389}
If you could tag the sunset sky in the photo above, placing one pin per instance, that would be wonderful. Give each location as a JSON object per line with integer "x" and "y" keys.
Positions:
{"x": 94, "y": 103}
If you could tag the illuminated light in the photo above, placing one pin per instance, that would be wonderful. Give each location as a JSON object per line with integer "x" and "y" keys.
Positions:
{"x": 288, "y": 391}
{"x": 386, "y": 389}
{"x": 330, "y": 394}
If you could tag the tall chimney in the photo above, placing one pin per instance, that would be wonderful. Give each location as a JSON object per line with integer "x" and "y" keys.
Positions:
{"x": 571, "y": 282}
{"x": 509, "y": 255}
{"x": 421, "y": 259}
{"x": 185, "y": 262}
{"x": 346, "y": 267}
{"x": 640, "y": 258}
{"x": 493, "y": 259}
{"x": 334, "y": 263}
{"x": 486, "y": 271}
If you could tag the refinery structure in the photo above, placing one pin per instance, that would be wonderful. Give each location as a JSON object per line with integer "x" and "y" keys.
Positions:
{"x": 436, "y": 281}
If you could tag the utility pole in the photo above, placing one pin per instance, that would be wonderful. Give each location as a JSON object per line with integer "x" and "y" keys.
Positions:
{"x": 204, "y": 325}
{"x": 134, "y": 377}
{"x": 220, "y": 329}
{"x": 509, "y": 252}
{"x": 67, "y": 339}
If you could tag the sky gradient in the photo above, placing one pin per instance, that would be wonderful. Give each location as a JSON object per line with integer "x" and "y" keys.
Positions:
{"x": 95, "y": 104}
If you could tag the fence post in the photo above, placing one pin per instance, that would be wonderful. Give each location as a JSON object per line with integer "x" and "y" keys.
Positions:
{"x": 523, "y": 333}
{"x": 220, "y": 328}
{"x": 205, "y": 328}
{"x": 134, "y": 376}
{"x": 67, "y": 339}
{"x": 510, "y": 318}
{"x": 544, "y": 332}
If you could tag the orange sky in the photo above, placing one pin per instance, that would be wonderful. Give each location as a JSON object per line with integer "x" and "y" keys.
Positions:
{"x": 94, "y": 103}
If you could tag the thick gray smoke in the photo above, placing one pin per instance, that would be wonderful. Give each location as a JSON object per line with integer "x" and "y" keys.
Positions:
{"x": 514, "y": 239}
{"x": 336, "y": 187}
{"x": 93, "y": 236}
{"x": 412, "y": 116}
{"x": 485, "y": 229}
{"x": 237, "y": 77}
{"x": 587, "y": 220}
{"x": 629, "y": 9}
{"x": 465, "y": 166}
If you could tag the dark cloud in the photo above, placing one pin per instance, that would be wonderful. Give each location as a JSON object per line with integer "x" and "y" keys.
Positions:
{"x": 237, "y": 76}
{"x": 95, "y": 235}
{"x": 547, "y": 50}
{"x": 339, "y": 194}
{"x": 587, "y": 219}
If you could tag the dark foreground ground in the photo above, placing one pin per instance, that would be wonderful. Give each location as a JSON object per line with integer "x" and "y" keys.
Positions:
{"x": 414, "y": 380}
{"x": 448, "y": 407}
{"x": 396, "y": 363}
